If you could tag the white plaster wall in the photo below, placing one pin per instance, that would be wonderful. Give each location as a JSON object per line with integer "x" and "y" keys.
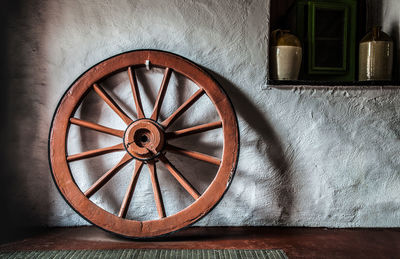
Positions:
{"x": 307, "y": 157}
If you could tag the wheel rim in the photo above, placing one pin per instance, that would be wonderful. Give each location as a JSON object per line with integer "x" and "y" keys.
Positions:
{"x": 145, "y": 141}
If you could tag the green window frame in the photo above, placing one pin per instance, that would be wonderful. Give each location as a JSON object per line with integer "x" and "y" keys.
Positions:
{"x": 306, "y": 30}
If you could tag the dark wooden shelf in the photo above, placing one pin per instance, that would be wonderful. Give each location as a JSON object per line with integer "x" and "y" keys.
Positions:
{"x": 361, "y": 85}
{"x": 300, "y": 242}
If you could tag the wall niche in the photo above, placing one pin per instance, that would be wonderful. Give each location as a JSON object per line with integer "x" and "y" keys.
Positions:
{"x": 330, "y": 32}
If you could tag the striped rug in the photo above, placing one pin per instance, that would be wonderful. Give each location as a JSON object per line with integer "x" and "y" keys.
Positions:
{"x": 148, "y": 254}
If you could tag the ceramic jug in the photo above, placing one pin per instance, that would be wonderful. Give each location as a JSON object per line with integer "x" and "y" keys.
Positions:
{"x": 376, "y": 56}
{"x": 286, "y": 54}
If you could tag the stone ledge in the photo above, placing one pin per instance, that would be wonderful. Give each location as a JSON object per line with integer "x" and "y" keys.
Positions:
{"x": 353, "y": 85}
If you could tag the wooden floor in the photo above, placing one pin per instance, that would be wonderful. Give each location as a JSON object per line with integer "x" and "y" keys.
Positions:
{"x": 296, "y": 242}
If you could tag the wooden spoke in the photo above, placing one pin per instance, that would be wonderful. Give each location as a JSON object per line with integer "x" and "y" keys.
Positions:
{"x": 97, "y": 127}
{"x": 107, "y": 176}
{"x": 95, "y": 152}
{"x": 180, "y": 178}
{"x": 156, "y": 189}
{"x": 193, "y": 154}
{"x": 131, "y": 188}
{"x": 194, "y": 130}
{"x": 186, "y": 105}
{"x": 161, "y": 94}
{"x": 113, "y": 105}
{"x": 135, "y": 92}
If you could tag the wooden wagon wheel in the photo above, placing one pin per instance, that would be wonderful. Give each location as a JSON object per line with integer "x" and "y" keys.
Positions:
{"x": 145, "y": 141}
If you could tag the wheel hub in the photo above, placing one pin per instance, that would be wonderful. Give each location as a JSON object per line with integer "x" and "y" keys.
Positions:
{"x": 144, "y": 139}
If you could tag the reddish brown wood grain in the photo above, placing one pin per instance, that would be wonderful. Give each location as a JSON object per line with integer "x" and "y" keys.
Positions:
{"x": 107, "y": 176}
{"x": 156, "y": 189}
{"x": 186, "y": 105}
{"x": 193, "y": 130}
{"x": 95, "y": 152}
{"x": 131, "y": 188}
{"x": 193, "y": 154}
{"x": 180, "y": 178}
{"x": 135, "y": 92}
{"x": 149, "y": 137}
{"x": 161, "y": 94}
{"x": 113, "y": 105}
{"x": 97, "y": 127}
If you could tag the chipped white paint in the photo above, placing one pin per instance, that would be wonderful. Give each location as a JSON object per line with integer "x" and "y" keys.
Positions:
{"x": 307, "y": 158}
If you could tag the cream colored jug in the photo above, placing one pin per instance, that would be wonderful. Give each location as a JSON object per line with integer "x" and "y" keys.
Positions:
{"x": 376, "y": 56}
{"x": 286, "y": 54}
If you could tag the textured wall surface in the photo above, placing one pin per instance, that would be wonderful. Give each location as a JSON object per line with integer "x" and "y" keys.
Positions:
{"x": 307, "y": 157}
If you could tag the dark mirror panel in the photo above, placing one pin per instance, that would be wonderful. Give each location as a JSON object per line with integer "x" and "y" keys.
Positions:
{"x": 329, "y": 23}
{"x": 329, "y": 53}
{"x": 329, "y": 38}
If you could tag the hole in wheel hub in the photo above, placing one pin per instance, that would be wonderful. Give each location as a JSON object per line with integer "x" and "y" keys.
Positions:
{"x": 144, "y": 139}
